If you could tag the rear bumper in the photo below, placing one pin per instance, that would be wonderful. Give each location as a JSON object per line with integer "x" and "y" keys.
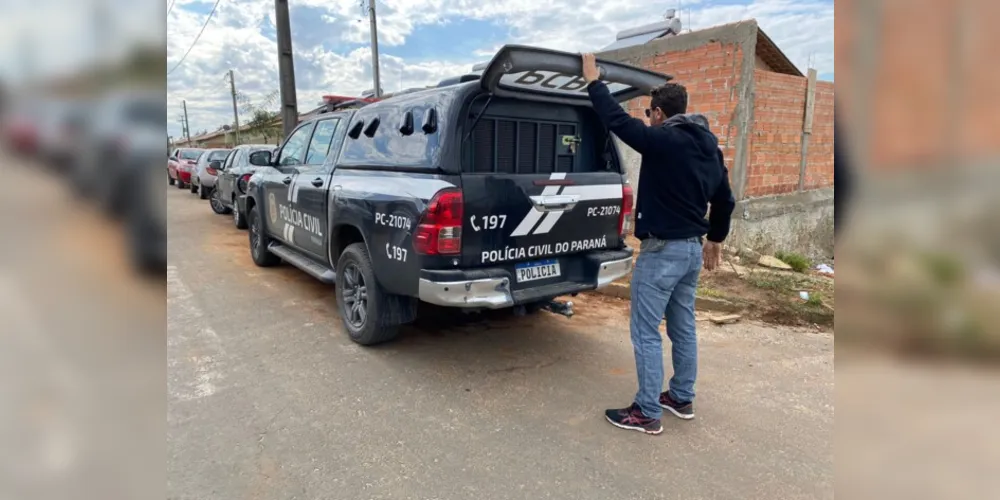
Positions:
{"x": 206, "y": 180}
{"x": 184, "y": 176}
{"x": 491, "y": 288}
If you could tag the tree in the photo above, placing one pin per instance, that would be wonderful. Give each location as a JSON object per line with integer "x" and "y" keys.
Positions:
{"x": 263, "y": 120}
{"x": 265, "y": 124}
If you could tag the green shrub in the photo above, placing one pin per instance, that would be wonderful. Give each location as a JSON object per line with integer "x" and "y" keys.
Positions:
{"x": 799, "y": 263}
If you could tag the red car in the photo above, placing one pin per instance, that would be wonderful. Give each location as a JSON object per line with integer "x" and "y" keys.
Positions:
{"x": 180, "y": 165}
{"x": 21, "y": 133}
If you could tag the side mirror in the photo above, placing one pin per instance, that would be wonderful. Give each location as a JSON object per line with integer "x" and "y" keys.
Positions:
{"x": 260, "y": 158}
{"x": 215, "y": 164}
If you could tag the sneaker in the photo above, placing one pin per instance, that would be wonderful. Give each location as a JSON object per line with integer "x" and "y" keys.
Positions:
{"x": 680, "y": 410}
{"x": 633, "y": 418}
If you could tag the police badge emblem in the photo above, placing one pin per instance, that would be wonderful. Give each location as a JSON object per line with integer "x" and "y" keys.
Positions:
{"x": 272, "y": 208}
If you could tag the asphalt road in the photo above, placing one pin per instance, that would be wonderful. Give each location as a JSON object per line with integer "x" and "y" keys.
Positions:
{"x": 268, "y": 398}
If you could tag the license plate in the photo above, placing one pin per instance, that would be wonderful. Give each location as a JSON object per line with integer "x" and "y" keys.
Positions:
{"x": 531, "y": 271}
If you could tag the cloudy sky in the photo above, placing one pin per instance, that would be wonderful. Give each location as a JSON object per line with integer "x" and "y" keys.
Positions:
{"x": 424, "y": 41}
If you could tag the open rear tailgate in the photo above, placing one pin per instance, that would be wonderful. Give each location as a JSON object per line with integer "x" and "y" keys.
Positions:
{"x": 534, "y": 73}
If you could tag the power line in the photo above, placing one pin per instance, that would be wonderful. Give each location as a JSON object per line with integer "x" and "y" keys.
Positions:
{"x": 172, "y": 2}
{"x": 203, "y": 26}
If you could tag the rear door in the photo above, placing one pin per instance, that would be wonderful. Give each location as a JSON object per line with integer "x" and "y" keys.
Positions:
{"x": 541, "y": 180}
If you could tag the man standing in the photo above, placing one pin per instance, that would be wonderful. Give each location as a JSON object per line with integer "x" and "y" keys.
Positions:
{"x": 682, "y": 172}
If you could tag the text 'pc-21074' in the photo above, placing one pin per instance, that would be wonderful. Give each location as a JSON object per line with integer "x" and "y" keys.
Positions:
{"x": 488, "y": 191}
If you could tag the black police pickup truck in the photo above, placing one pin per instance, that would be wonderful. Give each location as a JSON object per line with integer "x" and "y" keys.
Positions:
{"x": 485, "y": 192}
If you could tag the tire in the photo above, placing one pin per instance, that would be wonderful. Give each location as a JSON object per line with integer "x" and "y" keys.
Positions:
{"x": 238, "y": 219}
{"x": 180, "y": 184}
{"x": 170, "y": 180}
{"x": 204, "y": 193}
{"x": 194, "y": 188}
{"x": 258, "y": 249}
{"x": 216, "y": 203}
{"x": 369, "y": 323}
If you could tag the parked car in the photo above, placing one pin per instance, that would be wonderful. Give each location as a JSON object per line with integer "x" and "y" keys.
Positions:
{"x": 180, "y": 165}
{"x": 69, "y": 136}
{"x": 145, "y": 207}
{"x": 122, "y": 126}
{"x": 500, "y": 191}
{"x": 232, "y": 181}
{"x": 204, "y": 172}
{"x": 20, "y": 128}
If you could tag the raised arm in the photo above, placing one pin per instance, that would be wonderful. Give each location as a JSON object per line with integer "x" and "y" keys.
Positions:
{"x": 631, "y": 131}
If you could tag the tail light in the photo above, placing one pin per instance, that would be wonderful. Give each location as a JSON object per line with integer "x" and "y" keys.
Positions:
{"x": 440, "y": 229}
{"x": 212, "y": 171}
{"x": 243, "y": 182}
{"x": 625, "y": 219}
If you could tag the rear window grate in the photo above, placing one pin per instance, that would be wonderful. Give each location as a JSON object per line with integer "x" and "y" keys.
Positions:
{"x": 484, "y": 142}
{"x": 521, "y": 146}
{"x": 527, "y": 147}
{"x": 506, "y": 146}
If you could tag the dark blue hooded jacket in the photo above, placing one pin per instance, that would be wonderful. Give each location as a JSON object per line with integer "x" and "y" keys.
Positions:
{"x": 682, "y": 172}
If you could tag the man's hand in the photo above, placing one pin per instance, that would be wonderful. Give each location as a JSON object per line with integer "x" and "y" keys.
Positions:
{"x": 590, "y": 71}
{"x": 711, "y": 255}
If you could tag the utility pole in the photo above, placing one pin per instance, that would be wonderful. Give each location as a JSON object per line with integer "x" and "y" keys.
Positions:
{"x": 286, "y": 68}
{"x": 374, "y": 34}
{"x": 236, "y": 116}
{"x": 187, "y": 124}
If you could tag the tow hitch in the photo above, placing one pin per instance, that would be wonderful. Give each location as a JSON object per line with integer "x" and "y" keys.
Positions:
{"x": 559, "y": 307}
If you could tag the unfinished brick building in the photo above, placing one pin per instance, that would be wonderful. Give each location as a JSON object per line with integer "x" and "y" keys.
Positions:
{"x": 775, "y": 126}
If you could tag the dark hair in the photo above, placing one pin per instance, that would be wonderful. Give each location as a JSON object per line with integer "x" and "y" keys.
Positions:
{"x": 671, "y": 98}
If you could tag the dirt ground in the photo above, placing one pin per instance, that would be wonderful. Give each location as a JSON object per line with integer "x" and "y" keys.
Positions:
{"x": 767, "y": 294}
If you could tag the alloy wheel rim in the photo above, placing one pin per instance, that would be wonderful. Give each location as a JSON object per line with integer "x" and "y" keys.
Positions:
{"x": 254, "y": 236}
{"x": 216, "y": 202}
{"x": 355, "y": 294}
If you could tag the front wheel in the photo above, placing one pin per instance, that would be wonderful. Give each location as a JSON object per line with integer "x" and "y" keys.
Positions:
{"x": 259, "y": 242}
{"x": 363, "y": 306}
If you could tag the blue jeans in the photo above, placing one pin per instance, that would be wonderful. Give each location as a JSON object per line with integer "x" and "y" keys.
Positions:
{"x": 663, "y": 283}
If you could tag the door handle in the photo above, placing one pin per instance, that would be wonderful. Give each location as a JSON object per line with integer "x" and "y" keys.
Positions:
{"x": 317, "y": 182}
{"x": 287, "y": 180}
{"x": 553, "y": 203}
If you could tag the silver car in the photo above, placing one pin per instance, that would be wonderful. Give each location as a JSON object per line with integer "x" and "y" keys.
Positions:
{"x": 204, "y": 177}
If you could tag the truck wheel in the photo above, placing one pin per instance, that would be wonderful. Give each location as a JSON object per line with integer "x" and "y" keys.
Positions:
{"x": 238, "y": 220}
{"x": 363, "y": 306}
{"x": 259, "y": 242}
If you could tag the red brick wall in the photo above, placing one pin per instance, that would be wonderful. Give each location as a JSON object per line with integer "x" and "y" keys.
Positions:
{"x": 928, "y": 99}
{"x": 819, "y": 159}
{"x": 710, "y": 73}
{"x": 776, "y": 138}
